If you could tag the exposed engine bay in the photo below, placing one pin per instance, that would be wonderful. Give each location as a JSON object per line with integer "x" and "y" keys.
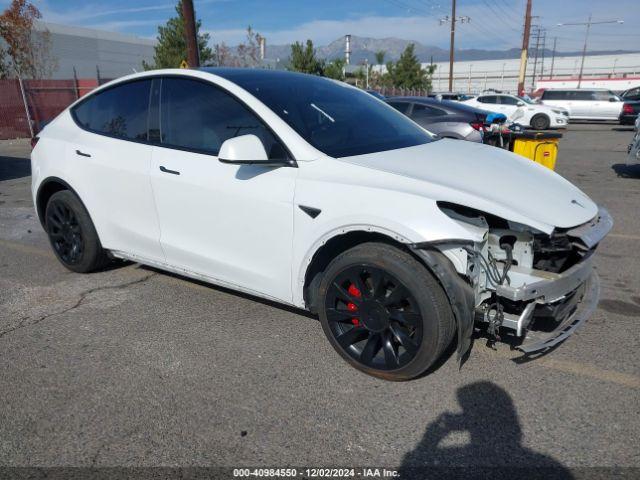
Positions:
{"x": 527, "y": 285}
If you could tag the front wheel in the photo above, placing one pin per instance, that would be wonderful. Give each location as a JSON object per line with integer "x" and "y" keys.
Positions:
{"x": 540, "y": 122}
{"x": 384, "y": 312}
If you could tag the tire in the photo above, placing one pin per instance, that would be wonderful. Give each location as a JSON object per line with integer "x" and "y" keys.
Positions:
{"x": 400, "y": 323}
{"x": 540, "y": 122}
{"x": 72, "y": 235}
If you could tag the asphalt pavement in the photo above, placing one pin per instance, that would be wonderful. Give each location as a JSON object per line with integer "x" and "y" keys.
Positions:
{"x": 136, "y": 367}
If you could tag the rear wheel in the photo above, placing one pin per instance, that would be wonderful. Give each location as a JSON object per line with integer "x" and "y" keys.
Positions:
{"x": 384, "y": 312}
{"x": 72, "y": 235}
{"x": 540, "y": 122}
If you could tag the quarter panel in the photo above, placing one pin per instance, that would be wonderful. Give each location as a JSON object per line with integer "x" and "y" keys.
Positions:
{"x": 353, "y": 198}
{"x": 113, "y": 183}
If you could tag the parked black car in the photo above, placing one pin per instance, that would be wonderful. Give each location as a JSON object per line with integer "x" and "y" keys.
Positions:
{"x": 629, "y": 113}
{"x": 446, "y": 118}
{"x": 633, "y": 94}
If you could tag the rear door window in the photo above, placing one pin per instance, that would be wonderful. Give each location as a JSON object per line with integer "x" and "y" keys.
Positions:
{"x": 426, "y": 111}
{"x": 506, "y": 100}
{"x": 488, "y": 99}
{"x": 198, "y": 116}
{"x": 121, "y": 111}
{"x": 555, "y": 95}
{"x": 584, "y": 95}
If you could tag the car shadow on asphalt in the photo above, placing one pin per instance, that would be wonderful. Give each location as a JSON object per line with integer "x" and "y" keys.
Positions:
{"x": 482, "y": 441}
{"x": 14, "y": 167}
{"x": 626, "y": 171}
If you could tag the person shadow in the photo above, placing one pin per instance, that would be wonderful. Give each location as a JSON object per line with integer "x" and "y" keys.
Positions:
{"x": 487, "y": 442}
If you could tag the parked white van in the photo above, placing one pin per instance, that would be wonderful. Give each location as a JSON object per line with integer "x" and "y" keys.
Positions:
{"x": 582, "y": 104}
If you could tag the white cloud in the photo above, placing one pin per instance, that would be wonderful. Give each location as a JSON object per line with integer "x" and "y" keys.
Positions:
{"x": 90, "y": 11}
{"x": 120, "y": 25}
{"x": 424, "y": 29}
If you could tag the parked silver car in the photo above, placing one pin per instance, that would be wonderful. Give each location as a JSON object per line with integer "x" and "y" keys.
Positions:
{"x": 447, "y": 119}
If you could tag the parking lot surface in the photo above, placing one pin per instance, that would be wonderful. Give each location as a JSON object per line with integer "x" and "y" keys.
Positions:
{"x": 132, "y": 366}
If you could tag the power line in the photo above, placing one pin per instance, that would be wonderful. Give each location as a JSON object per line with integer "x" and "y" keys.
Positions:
{"x": 588, "y": 24}
{"x": 509, "y": 12}
{"x": 499, "y": 16}
{"x": 409, "y": 7}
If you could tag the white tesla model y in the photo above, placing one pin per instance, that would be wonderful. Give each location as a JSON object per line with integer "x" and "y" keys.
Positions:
{"x": 315, "y": 194}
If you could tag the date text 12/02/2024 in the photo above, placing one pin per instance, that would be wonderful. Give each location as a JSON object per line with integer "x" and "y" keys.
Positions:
{"x": 315, "y": 472}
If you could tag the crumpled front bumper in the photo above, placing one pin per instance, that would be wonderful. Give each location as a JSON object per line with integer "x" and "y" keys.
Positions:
{"x": 568, "y": 298}
{"x": 563, "y": 300}
{"x": 572, "y": 312}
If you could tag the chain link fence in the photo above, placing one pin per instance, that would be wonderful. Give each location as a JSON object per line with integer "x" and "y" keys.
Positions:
{"x": 28, "y": 105}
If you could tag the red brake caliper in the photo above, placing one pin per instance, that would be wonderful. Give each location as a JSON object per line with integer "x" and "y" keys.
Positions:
{"x": 353, "y": 291}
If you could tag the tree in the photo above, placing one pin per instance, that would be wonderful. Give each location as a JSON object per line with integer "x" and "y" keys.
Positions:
{"x": 334, "y": 69}
{"x": 380, "y": 54}
{"x": 407, "y": 72}
{"x": 303, "y": 59}
{"x": 248, "y": 54}
{"x": 27, "y": 51}
{"x": 171, "y": 49}
{"x": 222, "y": 55}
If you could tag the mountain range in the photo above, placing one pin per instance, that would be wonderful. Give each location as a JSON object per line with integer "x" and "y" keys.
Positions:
{"x": 365, "y": 48}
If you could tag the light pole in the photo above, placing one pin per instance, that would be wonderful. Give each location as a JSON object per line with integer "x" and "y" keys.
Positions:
{"x": 586, "y": 39}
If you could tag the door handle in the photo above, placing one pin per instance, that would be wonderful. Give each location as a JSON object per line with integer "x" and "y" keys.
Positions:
{"x": 166, "y": 170}
{"x": 82, "y": 154}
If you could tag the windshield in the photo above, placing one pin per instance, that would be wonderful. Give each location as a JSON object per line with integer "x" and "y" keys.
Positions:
{"x": 334, "y": 117}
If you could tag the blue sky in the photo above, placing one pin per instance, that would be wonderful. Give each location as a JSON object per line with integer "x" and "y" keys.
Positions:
{"x": 495, "y": 23}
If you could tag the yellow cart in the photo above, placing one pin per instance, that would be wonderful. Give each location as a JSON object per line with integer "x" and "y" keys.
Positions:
{"x": 541, "y": 147}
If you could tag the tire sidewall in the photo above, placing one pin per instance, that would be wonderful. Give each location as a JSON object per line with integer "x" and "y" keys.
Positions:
{"x": 92, "y": 250}
{"x": 540, "y": 118}
{"x": 422, "y": 286}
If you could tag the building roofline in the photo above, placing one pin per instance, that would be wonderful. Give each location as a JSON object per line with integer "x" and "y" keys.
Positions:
{"x": 73, "y": 30}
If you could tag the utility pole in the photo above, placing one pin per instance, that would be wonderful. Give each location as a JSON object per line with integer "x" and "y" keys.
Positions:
{"x": 586, "y": 39}
{"x": 452, "y": 20}
{"x": 553, "y": 56}
{"x": 452, "y": 44}
{"x": 193, "y": 57}
{"x": 535, "y": 61}
{"x": 544, "y": 45}
{"x": 525, "y": 47}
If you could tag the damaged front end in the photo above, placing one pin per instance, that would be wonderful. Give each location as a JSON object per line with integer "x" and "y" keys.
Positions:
{"x": 521, "y": 285}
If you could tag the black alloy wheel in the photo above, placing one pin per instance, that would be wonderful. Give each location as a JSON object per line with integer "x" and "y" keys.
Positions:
{"x": 384, "y": 312}
{"x": 65, "y": 232}
{"x": 72, "y": 234}
{"x": 374, "y": 317}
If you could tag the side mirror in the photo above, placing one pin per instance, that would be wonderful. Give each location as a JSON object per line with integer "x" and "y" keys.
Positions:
{"x": 520, "y": 104}
{"x": 248, "y": 150}
{"x": 614, "y": 99}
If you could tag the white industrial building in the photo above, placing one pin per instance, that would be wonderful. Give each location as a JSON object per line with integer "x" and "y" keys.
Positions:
{"x": 617, "y": 72}
{"x": 109, "y": 54}
{"x": 95, "y": 52}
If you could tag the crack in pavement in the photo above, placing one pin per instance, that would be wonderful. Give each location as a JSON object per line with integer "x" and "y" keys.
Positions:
{"x": 83, "y": 296}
